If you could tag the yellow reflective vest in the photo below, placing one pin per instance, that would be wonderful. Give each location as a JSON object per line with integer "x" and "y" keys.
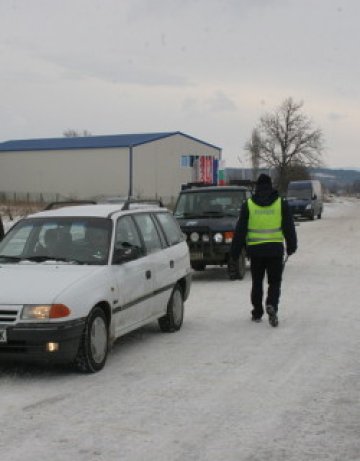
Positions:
{"x": 264, "y": 225}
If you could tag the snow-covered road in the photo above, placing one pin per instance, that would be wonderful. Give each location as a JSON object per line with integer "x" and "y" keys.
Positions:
{"x": 223, "y": 388}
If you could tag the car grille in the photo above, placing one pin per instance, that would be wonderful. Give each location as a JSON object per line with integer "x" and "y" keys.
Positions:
{"x": 13, "y": 347}
{"x": 8, "y": 315}
{"x": 298, "y": 209}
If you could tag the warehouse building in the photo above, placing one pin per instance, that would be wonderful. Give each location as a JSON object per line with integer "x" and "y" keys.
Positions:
{"x": 153, "y": 165}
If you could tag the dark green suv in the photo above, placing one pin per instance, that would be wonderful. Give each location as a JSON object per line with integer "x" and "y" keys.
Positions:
{"x": 208, "y": 216}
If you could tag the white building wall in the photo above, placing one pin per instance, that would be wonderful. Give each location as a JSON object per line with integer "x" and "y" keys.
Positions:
{"x": 78, "y": 173}
{"x": 157, "y": 166}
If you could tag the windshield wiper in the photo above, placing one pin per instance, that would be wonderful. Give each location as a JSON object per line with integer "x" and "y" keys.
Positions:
{"x": 234, "y": 214}
{"x": 11, "y": 258}
{"x": 212, "y": 212}
{"x": 51, "y": 258}
{"x": 187, "y": 215}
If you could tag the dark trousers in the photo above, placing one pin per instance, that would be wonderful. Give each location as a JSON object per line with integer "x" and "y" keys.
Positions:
{"x": 273, "y": 267}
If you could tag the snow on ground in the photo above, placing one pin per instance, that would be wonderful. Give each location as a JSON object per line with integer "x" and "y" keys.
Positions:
{"x": 223, "y": 388}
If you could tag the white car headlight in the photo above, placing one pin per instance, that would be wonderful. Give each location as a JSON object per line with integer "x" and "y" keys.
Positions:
{"x": 218, "y": 237}
{"x": 308, "y": 207}
{"x": 44, "y": 311}
{"x": 194, "y": 237}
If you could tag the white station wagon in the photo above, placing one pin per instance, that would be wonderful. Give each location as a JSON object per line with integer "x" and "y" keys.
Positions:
{"x": 74, "y": 279}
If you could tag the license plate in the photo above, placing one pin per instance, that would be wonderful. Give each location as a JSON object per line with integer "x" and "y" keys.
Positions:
{"x": 196, "y": 256}
{"x": 3, "y": 337}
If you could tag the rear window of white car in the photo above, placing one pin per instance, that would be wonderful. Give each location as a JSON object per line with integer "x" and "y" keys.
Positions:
{"x": 149, "y": 232}
{"x": 171, "y": 228}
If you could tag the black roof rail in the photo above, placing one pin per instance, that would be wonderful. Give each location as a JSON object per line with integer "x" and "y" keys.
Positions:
{"x": 190, "y": 185}
{"x": 55, "y": 205}
{"x": 242, "y": 182}
{"x": 130, "y": 201}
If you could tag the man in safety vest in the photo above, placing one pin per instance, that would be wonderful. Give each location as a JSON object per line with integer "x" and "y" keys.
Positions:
{"x": 265, "y": 222}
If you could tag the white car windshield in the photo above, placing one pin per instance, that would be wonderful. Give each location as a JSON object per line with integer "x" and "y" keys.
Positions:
{"x": 70, "y": 240}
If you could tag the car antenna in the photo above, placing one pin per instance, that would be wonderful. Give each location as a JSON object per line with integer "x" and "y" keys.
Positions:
{"x": 126, "y": 205}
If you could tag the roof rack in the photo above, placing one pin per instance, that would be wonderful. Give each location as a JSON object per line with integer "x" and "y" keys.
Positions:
{"x": 55, "y": 205}
{"x": 191, "y": 185}
{"x": 131, "y": 201}
{"x": 242, "y": 182}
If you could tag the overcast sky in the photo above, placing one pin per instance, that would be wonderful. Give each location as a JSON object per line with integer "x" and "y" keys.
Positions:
{"x": 208, "y": 68}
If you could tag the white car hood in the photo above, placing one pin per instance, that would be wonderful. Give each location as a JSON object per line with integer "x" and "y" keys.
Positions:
{"x": 39, "y": 283}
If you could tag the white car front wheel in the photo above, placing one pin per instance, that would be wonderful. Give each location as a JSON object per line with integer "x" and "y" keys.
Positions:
{"x": 93, "y": 348}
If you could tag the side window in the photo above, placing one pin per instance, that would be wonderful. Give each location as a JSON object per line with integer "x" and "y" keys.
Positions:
{"x": 171, "y": 228}
{"x": 149, "y": 232}
{"x": 126, "y": 234}
{"x": 18, "y": 242}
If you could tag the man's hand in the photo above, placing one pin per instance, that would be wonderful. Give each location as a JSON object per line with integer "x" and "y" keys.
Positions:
{"x": 290, "y": 251}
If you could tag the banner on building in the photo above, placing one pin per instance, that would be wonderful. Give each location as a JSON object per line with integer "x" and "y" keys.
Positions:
{"x": 205, "y": 168}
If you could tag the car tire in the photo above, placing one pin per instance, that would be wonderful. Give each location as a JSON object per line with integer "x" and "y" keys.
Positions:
{"x": 237, "y": 269}
{"x": 198, "y": 266}
{"x": 173, "y": 319}
{"x": 319, "y": 215}
{"x": 94, "y": 343}
{"x": 312, "y": 216}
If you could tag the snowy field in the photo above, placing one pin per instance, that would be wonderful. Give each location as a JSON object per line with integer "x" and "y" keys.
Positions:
{"x": 223, "y": 388}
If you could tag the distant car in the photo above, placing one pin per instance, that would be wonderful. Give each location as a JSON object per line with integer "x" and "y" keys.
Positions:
{"x": 305, "y": 199}
{"x": 74, "y": 279}
{"x": 208, "y": 216}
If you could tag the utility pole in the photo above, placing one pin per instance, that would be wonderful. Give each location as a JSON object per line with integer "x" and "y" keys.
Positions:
{"x": 130, "y": 171}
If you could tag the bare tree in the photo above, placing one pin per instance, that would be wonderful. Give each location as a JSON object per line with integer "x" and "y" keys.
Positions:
{"x": 286, "y": 139}
{"x": 70, "y": 133}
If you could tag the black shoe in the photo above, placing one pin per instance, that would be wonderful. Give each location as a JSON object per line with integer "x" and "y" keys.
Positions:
{"x": 273, "y": 318}
{"x": 255, "y": 319}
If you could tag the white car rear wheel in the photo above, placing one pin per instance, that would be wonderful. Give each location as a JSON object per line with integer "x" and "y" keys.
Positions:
{"x": 174, "y": 317}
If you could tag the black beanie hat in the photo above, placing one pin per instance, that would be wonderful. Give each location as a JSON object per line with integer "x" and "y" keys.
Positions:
{"x": 264, "y": 179}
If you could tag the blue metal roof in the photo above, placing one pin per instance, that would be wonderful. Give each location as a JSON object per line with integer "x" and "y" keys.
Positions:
{"x": 89, "y": 142}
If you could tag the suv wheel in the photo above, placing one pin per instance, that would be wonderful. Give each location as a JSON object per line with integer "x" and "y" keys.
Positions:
{"x": 174, "y": 317}
{"x": 93, "y": 348}
{"x": 236, "y": 269}
{"x": 198, "y": 266}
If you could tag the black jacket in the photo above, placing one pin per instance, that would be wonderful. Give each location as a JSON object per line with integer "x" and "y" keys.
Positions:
{"x": 264, "y": 196}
